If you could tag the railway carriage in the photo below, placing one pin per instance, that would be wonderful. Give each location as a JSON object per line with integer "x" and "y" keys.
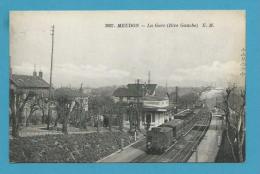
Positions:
{"x": 160, "y": 138}
{"x": 176, "y": 126}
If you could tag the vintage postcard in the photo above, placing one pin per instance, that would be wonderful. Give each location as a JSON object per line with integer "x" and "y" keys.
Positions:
{"x": 127, "y": 86}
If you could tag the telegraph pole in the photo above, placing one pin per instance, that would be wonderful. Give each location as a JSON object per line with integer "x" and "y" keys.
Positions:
{"x": 52, "y": 46}
{"x": 138, "y": 102}
{"x": 50, "y": 96}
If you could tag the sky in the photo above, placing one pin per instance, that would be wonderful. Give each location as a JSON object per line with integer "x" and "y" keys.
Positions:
{"x": 85, "y": 51}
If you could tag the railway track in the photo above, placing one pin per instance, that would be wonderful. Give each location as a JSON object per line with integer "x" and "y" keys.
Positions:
{"x": 180, "y": 151}
{"x": 184, "y": 154}
{"x": 189, "y": 145}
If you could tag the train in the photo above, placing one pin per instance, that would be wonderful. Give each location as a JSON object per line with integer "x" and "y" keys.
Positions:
{"x": 158, "y": 139}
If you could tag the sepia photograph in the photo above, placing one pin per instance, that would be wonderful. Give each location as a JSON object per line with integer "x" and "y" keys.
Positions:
{"x": 127, "y": 86}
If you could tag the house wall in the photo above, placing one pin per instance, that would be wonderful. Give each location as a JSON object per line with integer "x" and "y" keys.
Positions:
{"x": 117, "y": 99}
{"x": 159, "y": 103}
{"x": 157, "y": 118}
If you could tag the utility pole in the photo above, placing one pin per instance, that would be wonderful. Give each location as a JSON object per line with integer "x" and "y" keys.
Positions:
{"x": 138, "y": 103}
{"x": 50, "y": 96}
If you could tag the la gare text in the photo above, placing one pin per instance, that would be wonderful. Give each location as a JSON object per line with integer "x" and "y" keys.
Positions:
{"x": 158, "y": 25}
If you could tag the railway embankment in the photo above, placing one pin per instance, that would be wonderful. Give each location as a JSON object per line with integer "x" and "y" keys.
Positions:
{"x": 88, "y": 147}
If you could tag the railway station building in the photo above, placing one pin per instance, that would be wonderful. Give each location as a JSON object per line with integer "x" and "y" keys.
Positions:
{"x": 155, "y": 109}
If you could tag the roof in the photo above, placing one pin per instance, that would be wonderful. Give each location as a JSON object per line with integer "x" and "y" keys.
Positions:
{"x": 184, "y": 113}
{"x": 142, "y": 88}
{"x": 135, "y": 90}
{"x": 27, "y": 81}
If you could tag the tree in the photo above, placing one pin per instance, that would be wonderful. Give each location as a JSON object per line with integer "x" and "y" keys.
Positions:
{"x": 38, "y": 102}
{"x": 59, "y": 110}
{"x": 18, "y": 99}
{"x": 43, "y": 102}
{"x": 120, "y": 113}
{"x": 133, "y": 117}
{"x": 241, "y": 118}
{"x": 188, "y": 99}
{"x": 241, "y": 127}
{"x": 227, "y": 118}
{"x": 110, "y": 111}
{"x": 236, "y": 124}
{"x": 130, "y": 115}
{"x": 33, "y": 105}
{"x": 65, "y": 98}
{"x": 97, "y": 106}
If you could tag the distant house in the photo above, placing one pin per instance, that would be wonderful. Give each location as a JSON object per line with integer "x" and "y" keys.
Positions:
{"x": 155, "y": 110}
{"x": 23, "y": 84}
{"x": 26, "y": 83}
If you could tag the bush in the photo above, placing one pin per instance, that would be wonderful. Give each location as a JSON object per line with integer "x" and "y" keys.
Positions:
{"x": 71, "y": 148}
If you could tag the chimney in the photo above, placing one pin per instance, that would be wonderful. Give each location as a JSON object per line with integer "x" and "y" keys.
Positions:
{"x": 40, "y": 74}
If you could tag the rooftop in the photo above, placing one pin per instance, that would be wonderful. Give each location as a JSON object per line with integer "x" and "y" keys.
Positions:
{"x": 27, "y": 81}
{"x": 135, "y": 90}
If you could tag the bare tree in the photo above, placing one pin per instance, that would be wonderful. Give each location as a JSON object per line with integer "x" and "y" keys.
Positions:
{"x": 34, "y": 106}
{"x": 241, "y": 127}
{"x": 18, "y": 99}
{"x": 241, "y": 118}
{"x": 59, "y": 109}
{"x": 68, "y": 107}
{"x": 227, "y": 118}
{"x": 43, "y": 107}
{"x": 65, "y": 98}
{"x": 237, "y": 125}
{"x": 36, "y": 103}
{"x": 131, "y": 115}
{"x": 120, "y": 116}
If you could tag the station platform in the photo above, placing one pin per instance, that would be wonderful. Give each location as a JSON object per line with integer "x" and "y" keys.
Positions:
{"x": 128, "y": 154}
{"x": 209, "y": 145}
